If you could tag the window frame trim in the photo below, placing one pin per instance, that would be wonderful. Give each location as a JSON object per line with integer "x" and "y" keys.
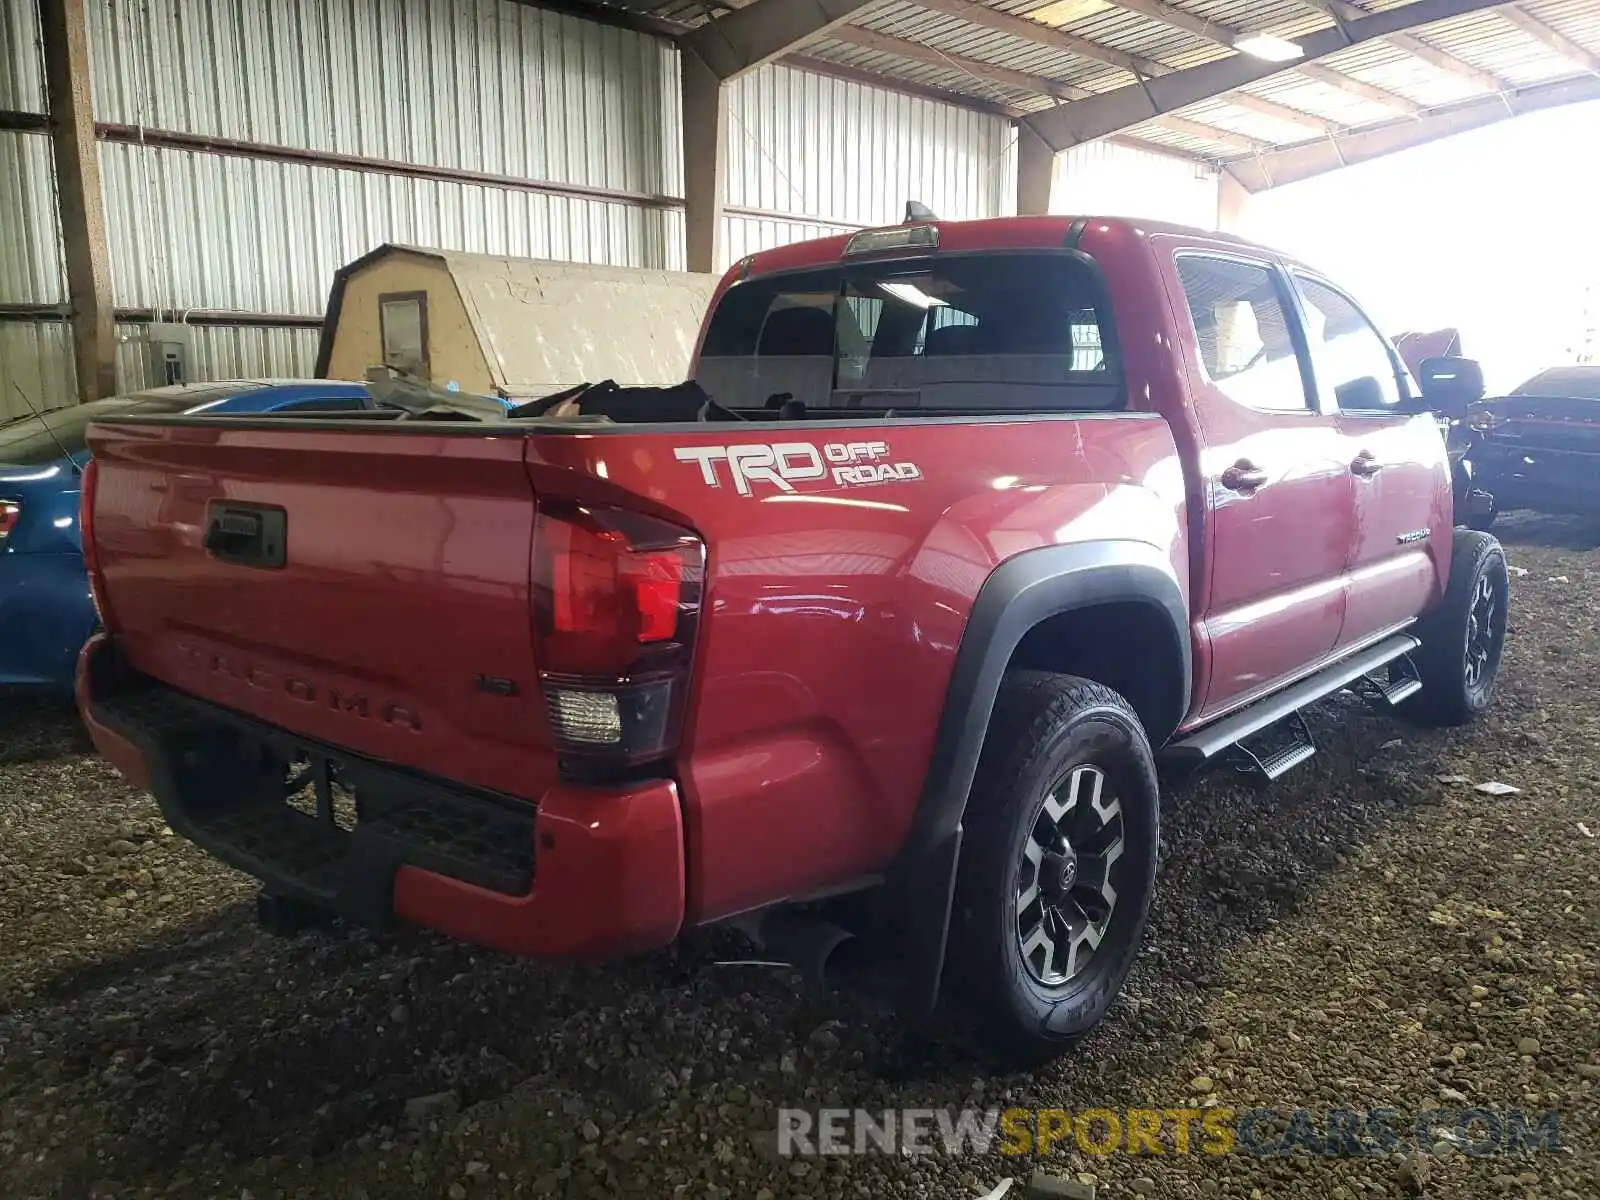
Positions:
{"x": 1404, "y": 385}
{"x": 1294, "y": 322}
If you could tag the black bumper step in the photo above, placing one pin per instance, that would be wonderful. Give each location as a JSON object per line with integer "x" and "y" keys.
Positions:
{"x": 221, "y": 781}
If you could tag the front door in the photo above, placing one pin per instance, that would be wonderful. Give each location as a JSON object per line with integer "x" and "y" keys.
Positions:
{"x": 1398, "y": 469}
{"x": 1278, "y": 491}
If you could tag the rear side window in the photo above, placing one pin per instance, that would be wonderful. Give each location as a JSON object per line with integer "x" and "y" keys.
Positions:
{"x": 1242, "y": 329}
{"x": 1349, "y": 355}
{"x": 962, "y": 333}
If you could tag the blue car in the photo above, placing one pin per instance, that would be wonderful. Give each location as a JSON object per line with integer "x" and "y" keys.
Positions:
{"x": 45, "y": 610}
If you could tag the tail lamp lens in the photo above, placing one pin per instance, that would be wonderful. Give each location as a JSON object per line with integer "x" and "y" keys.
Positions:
{"x": 10, "y": 513}
{"x": 616, "y": 602}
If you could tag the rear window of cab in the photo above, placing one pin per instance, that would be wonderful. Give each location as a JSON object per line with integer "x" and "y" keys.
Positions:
{"x": 1015, "y": 332}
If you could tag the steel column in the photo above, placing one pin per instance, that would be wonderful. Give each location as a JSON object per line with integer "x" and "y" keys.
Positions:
{"x": 78, "y": 198}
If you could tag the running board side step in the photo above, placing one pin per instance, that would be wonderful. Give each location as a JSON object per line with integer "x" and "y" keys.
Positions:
{"x": 1231, "y": 730}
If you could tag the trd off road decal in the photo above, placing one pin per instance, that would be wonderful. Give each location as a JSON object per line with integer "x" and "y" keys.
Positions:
{"x": 784, "y": 464}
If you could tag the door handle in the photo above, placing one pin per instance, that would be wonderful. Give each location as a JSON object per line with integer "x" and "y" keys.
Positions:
{"x": 1365, "y": 465}
{"x": 1243, "y": 476}
{"x": 249, "y": 535}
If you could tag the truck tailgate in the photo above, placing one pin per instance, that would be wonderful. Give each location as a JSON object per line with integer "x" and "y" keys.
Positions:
{"x": 400, "y": 600}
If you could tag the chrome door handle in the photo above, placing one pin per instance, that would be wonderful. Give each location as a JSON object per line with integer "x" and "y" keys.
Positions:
{"x": 1365, "y": 465}
{"x": 1243, "y": 476}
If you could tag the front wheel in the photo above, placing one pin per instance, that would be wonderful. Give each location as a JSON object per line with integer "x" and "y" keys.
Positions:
{"x": 1463, "y": 638}
{"x": 1058, "y": 865}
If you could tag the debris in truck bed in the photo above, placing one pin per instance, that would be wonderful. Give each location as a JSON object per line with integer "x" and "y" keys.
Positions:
{"x": 154, "y": 1042}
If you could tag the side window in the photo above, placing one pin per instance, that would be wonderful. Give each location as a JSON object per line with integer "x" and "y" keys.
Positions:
{"x": 1243, "y": 332}
{"x": 1348, "y": 353}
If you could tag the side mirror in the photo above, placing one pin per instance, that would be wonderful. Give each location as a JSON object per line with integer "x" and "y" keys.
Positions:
{"x": 1361, "y": 394}
{"x": 1449, "y": 384}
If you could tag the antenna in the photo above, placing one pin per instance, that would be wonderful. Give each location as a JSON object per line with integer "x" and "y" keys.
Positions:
{"x": 918, "y": 211}
{"x": 76, "y": 469}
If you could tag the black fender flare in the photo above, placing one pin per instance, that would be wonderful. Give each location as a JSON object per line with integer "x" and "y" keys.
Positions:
{"x": 1020, "y": 593}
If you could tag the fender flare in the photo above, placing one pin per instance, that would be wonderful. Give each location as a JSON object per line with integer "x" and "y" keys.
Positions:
{"x": 1018, "y": 595}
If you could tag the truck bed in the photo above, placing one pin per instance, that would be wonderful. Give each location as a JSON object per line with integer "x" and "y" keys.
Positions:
{"x": 843, "y": 560}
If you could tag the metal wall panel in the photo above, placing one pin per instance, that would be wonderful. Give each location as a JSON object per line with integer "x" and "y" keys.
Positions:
{"x": 815, "y": 146}
{"x": 197, "y": 230}
{"x": 1106, "y": 179}
{"x": 35, "y": 356}
{"x": 31, "y": 268}
{"x": 221, "y": 352}
{"x": 481, "y": 85}
{"x": 747, "y": 235}
{"x": 21, "y": 66}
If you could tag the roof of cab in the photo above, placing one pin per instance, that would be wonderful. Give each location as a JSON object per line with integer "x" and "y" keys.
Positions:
{"x": 988, "y": 233}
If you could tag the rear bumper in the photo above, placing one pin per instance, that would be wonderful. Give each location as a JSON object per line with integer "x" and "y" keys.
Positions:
{"x": 586, "y": 872}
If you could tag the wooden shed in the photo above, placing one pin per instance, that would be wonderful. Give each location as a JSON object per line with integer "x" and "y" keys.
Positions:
{"x": 515, "y": 327}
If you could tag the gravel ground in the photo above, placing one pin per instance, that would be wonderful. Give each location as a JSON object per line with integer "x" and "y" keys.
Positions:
{"x": 1362, "y": 934}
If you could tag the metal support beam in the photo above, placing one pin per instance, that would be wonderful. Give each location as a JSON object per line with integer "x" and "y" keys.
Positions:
{"x": 983, "y": 72}
{"x": 83, "y": 219}
{"x": 1036, "y": 169}
{"x": 1357, "y": 87}
{"x": 1294, "y": 163}
{"x": 741, "y": 41}
{"x": 1579, "y": 56}
{"x": 1344, "y": 11}
{"x": 1114, "y": 111}
{"x": 705, "y": 163}
{"x": 1044, "y": 35}
{"x": 1023, "y": 81}
{"x": 1228, "y": 35}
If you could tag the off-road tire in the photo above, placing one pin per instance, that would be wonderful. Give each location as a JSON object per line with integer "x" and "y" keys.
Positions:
{"x": 1448, "y": 697}
{"x": 1042, "y": 728}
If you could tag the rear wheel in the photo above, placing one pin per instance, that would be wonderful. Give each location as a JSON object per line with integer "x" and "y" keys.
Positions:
{"x": 1463, "y": 638}
{"x": 1059, "y": 862}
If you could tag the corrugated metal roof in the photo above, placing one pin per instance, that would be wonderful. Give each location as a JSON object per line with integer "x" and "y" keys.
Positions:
{"x": 1483, "y": 42}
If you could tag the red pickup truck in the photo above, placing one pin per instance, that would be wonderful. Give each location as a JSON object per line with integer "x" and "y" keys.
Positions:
{"x": 984, "y": 521}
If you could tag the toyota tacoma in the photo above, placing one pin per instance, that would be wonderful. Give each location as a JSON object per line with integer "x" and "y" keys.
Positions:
{"x": 965, "y": 528}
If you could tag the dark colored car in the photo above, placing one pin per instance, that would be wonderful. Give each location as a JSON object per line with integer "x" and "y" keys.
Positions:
{"x": 45, "y": 609}
{"x": 1539, "y": 447}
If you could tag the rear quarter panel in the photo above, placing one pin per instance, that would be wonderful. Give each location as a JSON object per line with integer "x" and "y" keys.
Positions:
{"x": 834, "y": 615}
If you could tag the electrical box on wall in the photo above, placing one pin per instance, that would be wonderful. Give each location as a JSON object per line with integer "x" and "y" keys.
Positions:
{"x": 169, "y": 350}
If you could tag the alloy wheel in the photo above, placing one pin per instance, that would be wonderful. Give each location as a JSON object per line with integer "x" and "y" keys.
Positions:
{"x": 1066, "y": 891}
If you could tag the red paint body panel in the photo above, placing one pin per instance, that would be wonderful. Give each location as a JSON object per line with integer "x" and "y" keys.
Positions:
{"x": 832, "y": 620}
{"x": 831, "y": 617}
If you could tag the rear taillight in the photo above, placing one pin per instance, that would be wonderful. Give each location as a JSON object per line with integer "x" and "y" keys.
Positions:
{"x": 91, "y": 559}
{"x": 10, "y": 513}
{"x": 616, "y": 599}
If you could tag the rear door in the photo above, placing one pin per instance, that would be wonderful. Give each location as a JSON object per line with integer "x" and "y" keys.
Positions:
{"x": 1400, "y": 478}
{"x": 1277, "y": 488}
